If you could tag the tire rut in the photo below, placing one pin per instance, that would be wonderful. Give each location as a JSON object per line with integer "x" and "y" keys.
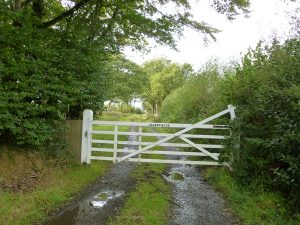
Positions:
{"x": 194, "y": 202}
{"x": 82, "y": 211}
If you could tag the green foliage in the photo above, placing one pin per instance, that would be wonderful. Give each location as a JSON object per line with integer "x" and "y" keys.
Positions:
{"x": 266, "y": 92}
{"x": 251, "y": 207}
{"x": 45, "y": 76}
{"x": 53, "y": 57}
{"x": 123, "y": 108}
{"x": 231, "y": 8}
{"x": 128, "y": 80}
{"x": 122, "y": 23}
{"x": 164, "y": 77}
{"x": 193, "y": 100}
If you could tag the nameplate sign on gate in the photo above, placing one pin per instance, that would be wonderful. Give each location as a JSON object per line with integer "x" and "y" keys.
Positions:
{"x": 159, "y": 125}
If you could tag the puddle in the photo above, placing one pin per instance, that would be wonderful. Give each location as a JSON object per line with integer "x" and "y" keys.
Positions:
{"x": 100, "y": 202}
{"x": 177, "y": 176}
{"x": 174, "y": 177}
{"x": 101, "y": 199}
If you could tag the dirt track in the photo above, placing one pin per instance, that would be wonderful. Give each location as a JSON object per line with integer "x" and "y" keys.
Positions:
{"x": 196, "y": 202}
{"x": 81, "y": 212}
{"x": 117, "y": 182}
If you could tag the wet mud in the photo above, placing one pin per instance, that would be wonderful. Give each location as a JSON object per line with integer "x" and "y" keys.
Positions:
{"x": 101, "y": 201}
{"x": 194, "y": 201}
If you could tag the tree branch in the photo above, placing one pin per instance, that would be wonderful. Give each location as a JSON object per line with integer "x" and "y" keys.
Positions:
{"x": 94, "y": 17}
{"x": 65, "y": 14}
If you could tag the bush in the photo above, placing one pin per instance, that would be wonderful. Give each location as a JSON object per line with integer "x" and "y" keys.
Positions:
{"x": 193, "y": 100}
{"x": 124, "y": 108}
{"x": 266, "y": 91}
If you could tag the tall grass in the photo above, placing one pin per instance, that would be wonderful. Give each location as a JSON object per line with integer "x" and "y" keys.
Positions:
{"x": 60, "y": 185}
{"x": 253, "y": 207}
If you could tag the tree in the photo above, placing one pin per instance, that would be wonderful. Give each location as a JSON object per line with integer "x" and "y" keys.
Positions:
{"x": 54, "y": 55}
{"x": 119, "y": 22}
{"x": 193, "y": 100}
{"x": 128, "y": 80}
{"x": 45, "y": 75}
{"x": 164, "y": 77}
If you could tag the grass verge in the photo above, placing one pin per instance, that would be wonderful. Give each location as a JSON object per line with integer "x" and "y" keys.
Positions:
{"x": 250, "y": 207}
{"x": 58, "y": 185}
{"x": 149, "y": 203}
{"x": 54, "y": 185}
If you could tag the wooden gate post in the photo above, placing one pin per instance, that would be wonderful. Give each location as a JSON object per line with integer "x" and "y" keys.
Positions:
{"x": 74, "y": 139}
{"x": 86, "y": 136}
{"x": 232, "y": 112}
{"x": 140, "y": 141}
{"x": 115, "y": 154}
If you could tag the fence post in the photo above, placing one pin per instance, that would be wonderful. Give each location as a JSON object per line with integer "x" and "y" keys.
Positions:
{"x": 235, "y": 153}
{"x": 74, "y": 138}
{"x": 140, "y": 141}
{"x": 86, "y": 143}
{"x": 231, "y": 111}
{"x": 115, "y": 144}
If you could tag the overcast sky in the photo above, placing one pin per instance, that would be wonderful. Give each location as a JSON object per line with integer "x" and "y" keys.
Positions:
{"x": 268, "y": 18}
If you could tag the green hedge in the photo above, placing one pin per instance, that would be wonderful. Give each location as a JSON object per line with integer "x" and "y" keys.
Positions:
{"x": 265, "y": 88}
{"x": 266, "y": 91}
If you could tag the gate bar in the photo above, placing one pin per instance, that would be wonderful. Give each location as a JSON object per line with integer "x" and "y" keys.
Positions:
{"x": 177, "y": 134}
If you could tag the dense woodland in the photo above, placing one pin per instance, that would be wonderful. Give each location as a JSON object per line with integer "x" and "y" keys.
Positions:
{"x": 58, "y": 58}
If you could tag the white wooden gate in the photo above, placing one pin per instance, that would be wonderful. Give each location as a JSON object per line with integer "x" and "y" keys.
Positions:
{"x": 129, "y": 141}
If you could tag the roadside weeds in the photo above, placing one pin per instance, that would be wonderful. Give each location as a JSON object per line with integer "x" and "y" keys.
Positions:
{"x": 251, "y": 207}
{"x": 55, "y": 186}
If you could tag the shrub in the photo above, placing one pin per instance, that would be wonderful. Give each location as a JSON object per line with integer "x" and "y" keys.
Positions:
{"x": 266, "y": 91}
{"x": 266, "y": 135}
{"x": 193, "y": 100}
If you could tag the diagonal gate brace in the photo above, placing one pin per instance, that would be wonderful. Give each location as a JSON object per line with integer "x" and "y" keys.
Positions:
{"x": 178, "y": 134}
{"x": 199, "y": 148}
